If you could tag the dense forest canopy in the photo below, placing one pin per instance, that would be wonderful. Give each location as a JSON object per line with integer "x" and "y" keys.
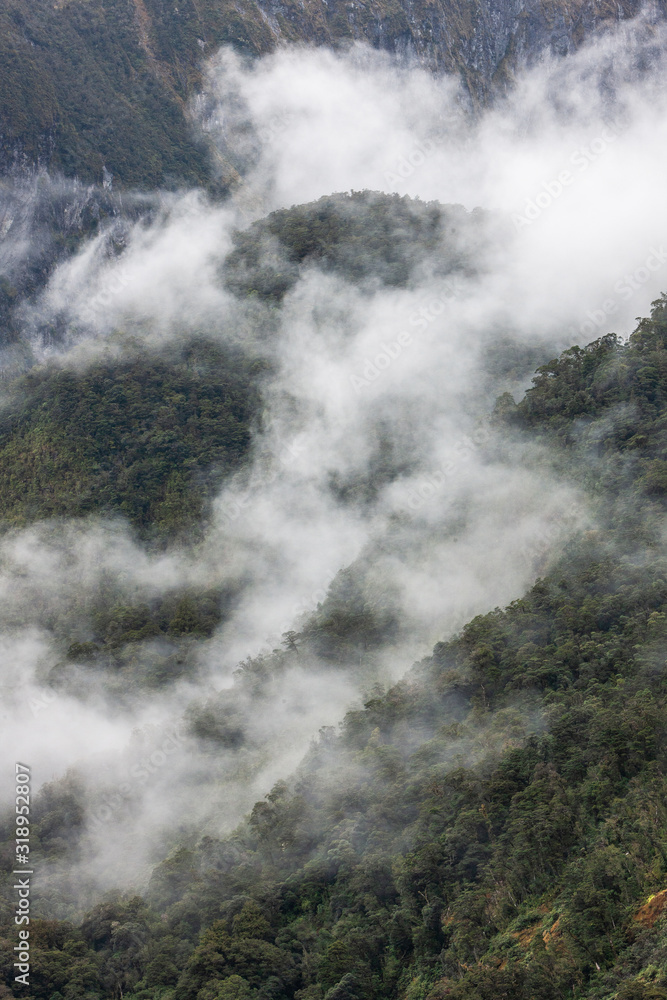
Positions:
{"x": 149, "y": 438}
{"x": 264, "y": 446}
{"x": 365, "y": 236}
{"x": 492, "y": 825}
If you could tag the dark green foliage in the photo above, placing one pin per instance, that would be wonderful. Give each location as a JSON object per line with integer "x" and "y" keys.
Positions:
{"x": 512, "y": 983}
{"x": 177, "y": 615}
{"x": 639, "y": 990}
{"x": 348, "y": 988}
{"x": 81, "y": 90}
{"x": 348, "y": 621}
{"x": 493, "y": 827}
{"x": 609, "y": 400}
{"x": 364, "y": 236}
{"x": 148, "y": 438}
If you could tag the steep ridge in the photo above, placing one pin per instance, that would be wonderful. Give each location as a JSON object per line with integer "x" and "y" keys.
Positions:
{"x": 88, "y": 84}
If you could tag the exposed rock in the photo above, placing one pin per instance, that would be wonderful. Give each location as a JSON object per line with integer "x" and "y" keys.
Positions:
{"x": 107, "y": 82}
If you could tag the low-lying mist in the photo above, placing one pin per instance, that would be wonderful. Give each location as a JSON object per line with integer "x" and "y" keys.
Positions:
{"x": 379, "y": 499}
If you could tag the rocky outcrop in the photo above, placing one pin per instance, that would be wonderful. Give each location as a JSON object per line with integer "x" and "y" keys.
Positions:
{"x": 484, "y": 41}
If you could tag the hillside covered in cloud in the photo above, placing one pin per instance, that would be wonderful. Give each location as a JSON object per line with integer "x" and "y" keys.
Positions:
{"x": 114, "y": 90}
{"x": 332, "y": 565}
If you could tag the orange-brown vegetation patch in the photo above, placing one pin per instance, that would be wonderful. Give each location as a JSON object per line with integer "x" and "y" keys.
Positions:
{"x": 553, "y": 936}
{"x": 652, "y": 909}
{"x": 525, "y": 936}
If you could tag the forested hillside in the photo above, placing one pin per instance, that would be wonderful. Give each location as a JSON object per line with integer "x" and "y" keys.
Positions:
{"x": 493, "y": 826}
{"x": 91, "y": 85}
{"x": 153, "y": 435}
{"x": 333, "y": 563}
{"x": 149, "y": 438}
{"x": 367, "y": 237}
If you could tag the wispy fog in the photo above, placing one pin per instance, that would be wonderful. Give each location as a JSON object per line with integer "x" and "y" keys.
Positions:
{"x": 375, "y": 449}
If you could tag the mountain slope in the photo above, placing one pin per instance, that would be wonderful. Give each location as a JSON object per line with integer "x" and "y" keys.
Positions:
{"x": 88, "y": 85}
{"x": 491, "y": 827}
{"x": 152, "y": 436}
{"x": 149, "y": 438}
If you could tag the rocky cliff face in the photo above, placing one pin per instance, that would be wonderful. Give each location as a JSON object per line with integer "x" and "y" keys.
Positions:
{"x": 89, "y": 84}
{"x": 484, "y": 41}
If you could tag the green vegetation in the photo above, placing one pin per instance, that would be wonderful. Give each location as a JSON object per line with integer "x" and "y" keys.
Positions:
{"x": 94, "y": 83}
{"x": 494, "y": 825}
{"x": 148, "y": 437}
{"x": 139, "y": 644}
{"x": 89, "y": 84}
{"x": 80, "y": 92}
{"x": 364, "y": 236}
{"x": 604, "y": 405}
{"x": 151, "y": 437}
